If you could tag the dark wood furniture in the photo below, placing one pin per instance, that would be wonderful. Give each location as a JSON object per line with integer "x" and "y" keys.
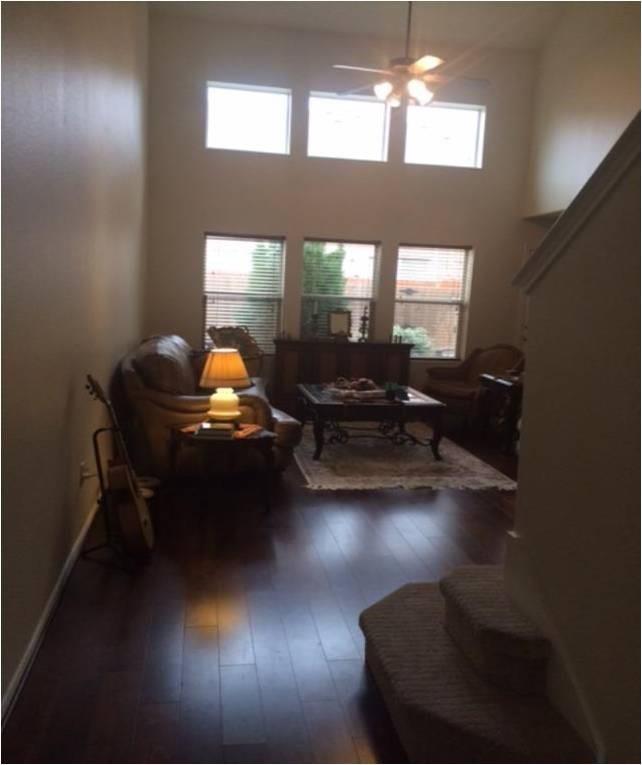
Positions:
{"x": 500, "y": 407}
{"x": 224, "y": 455}
{"x": 321, "y": 361}
{"x": 328, "y": 413}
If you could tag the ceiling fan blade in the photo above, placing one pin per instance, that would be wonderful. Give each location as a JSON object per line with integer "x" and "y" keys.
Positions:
{"x": 443, "y": 79}
{"x": 355, "y": 91}
{"x": 425, "y": 64}
{"x": 361, "y": 69}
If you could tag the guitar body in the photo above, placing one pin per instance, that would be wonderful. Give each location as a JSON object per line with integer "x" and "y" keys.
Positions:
{"x": 125, "y": 496}
{"x": 131, "y": 510}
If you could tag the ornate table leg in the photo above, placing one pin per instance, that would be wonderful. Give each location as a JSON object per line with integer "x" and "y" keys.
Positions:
{"x": 319, "y": 439}
{"x": 436, "y": 432}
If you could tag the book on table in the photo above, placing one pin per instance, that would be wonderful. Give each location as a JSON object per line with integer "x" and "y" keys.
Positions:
{"x": 223, "y": 430}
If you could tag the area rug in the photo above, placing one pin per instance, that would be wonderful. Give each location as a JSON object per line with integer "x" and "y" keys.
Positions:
{"x": 366, "y": 463}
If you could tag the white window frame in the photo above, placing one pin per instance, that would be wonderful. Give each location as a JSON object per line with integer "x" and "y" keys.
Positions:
{"x": 252, "y": 89}
{"x": 479, "y": 139}
{"x": 463, "y": 303}
{"x": 385, "y": 148}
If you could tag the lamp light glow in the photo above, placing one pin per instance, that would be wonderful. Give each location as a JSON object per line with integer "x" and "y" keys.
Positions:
{"x": 394, "y": 100}
{"x": 224, "y": 367}
{"x": 224, "y": 370}
{"x": 418, "y": 90}
{"x": 382, "y": 90}
{"x": 224, "y": 405}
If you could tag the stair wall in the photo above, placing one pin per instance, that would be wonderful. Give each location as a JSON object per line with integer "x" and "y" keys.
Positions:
{"x": 574, "y": 564}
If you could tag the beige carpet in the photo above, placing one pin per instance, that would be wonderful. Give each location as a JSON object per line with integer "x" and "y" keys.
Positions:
{"x": 366, "y": 463}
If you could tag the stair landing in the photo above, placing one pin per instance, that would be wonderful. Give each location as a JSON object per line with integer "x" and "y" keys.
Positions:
{"x": 442, "y": 708}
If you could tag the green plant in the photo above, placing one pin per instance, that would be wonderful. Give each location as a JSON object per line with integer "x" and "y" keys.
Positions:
{"x": 415, "y": 335}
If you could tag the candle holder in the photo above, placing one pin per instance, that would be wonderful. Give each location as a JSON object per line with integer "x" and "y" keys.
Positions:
{"x": 364, "y": 323}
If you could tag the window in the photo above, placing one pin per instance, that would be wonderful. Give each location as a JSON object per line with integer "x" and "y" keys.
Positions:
{"x": 347, "y": 128}
{"x": 243, "y": 284}
{"x": 337, "y": 276}
{"x": 445, "y": 134}
{"x": 248, "y": 118}
{"x": 430, "y": 297}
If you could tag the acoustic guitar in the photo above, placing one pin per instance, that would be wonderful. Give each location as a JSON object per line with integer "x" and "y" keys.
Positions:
{"x": 126, "y": 495}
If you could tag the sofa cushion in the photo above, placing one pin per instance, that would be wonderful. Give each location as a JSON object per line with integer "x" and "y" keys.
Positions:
{"x": 163, "y": 362}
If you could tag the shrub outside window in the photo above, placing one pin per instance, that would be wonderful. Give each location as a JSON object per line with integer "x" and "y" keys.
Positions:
{"x": 337, "y": 276}
{"x": 430, "y": 299}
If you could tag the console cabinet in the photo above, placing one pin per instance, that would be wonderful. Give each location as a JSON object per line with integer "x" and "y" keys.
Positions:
{"x": 322, "y": 361}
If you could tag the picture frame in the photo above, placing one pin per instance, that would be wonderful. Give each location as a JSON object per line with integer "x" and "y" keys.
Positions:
{"x": 339, "y": 324}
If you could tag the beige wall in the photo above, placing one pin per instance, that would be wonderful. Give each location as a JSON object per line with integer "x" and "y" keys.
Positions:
{"x": 588, "y": 90}
{"x": 73, "y": 80}
{"x": 194, "y": 190}
{"x": 577, "y": 564}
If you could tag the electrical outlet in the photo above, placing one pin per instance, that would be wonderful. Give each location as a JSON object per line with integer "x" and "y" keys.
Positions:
{"x": 85, "y": 473}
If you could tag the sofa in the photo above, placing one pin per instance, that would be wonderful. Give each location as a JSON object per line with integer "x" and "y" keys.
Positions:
{"x": 160, "y": 378}
{"x": 459, "y": 386}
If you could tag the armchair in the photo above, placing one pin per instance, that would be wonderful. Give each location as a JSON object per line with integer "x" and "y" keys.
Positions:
{"x": 459, "y": 386}
{"x": 161, "y": 382}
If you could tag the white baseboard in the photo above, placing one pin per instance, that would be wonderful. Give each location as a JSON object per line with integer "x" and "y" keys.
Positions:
{"x": 20, "y": 675}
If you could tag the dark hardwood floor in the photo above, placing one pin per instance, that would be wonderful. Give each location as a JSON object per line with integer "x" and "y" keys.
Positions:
{"x": 239, "y": 641}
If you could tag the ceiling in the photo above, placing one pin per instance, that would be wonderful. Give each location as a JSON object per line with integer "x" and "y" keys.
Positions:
{"x": 519, "y": 25}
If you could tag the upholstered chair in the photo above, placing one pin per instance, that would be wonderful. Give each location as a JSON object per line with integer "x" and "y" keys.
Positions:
{"x": 161, "y": 377}
{"x": 459, "y": 387}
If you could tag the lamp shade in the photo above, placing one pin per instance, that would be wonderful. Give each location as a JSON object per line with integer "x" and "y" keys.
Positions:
{"x": 224, "y": 368}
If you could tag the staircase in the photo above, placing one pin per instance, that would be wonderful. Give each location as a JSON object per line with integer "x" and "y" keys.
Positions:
{"x": 463, "y": 673}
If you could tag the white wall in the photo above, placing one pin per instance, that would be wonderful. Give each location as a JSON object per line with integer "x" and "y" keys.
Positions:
{"x": 73, "y": 80}
{"x": 193, "y": 190}
{"x": 576, "y": 566}
{"x": 588, "y": 90}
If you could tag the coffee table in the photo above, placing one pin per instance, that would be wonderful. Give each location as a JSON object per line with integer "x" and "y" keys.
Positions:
{"x": 330, "y": 415}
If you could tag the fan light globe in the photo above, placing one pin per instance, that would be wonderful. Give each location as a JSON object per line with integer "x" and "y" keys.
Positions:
{"x": 382, "y": 90}
{"x": 418, "y": 90}
{"x": 394, "y": 100}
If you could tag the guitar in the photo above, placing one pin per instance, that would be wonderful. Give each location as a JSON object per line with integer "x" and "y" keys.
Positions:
{"x": 126, "y": 495}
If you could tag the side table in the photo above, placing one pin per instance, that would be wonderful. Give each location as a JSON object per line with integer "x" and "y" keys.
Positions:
{"x": 501, "y": 403}
{"x": 226, "y": 452}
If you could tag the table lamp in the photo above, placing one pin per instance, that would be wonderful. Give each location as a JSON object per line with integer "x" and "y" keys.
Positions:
{"x": 224, "y": 370}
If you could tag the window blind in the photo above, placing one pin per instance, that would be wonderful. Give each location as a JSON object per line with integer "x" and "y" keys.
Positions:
{"x": 243, "y": 285}
{"x": 430, "y": 295}
{"x": 337, "y": 276}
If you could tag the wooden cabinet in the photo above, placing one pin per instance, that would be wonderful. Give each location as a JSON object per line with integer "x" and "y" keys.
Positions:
{"x": 322, "y": 361}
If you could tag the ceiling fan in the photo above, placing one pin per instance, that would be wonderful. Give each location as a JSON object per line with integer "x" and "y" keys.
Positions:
{"x": 406, "y": 79}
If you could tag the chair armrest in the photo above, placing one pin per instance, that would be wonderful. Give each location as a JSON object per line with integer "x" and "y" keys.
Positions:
{"x": 175, "y": 403}
{"x": 288, "y": 429}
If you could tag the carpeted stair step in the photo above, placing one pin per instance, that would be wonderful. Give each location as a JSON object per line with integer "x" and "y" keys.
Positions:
{"x": 442, "y": 708}
{"x": 503, "y": 644}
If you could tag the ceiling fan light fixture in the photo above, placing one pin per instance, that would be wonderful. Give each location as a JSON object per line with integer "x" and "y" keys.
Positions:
{"x": 394, "y": 100}
{"x": 417, "y": 89}
{"x": 382, "y": 90}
